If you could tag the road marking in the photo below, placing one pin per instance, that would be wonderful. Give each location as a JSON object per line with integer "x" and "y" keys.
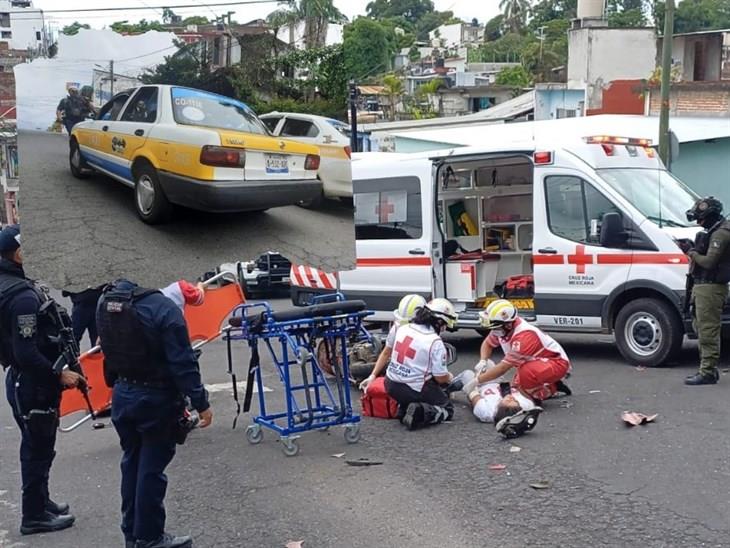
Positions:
{"x": 228, "y": 387}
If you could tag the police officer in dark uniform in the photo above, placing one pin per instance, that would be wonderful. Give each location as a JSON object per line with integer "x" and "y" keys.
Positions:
{"x": 151, "y": 364}
{"x": 710, "y": 271}
{"x": 83, "y": 313}
{"x": 33, "y": 387}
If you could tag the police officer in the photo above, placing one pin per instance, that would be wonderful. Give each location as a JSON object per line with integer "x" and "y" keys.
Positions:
{"x": 83, "y": 312}
{"x": 150, "y": 363}
{"x": 33, "y": 388}
{"x": 72, "y": 109}
{"x": 710, "y": 270}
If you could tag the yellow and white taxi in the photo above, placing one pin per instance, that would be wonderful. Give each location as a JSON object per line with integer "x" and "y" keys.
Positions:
{"x": 333, "y": 139}
{"x": 182, "y": 146}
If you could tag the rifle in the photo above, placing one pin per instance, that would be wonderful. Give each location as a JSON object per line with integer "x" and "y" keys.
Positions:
{"x": 702, "y": 240}
{"x": 70, "y": 351}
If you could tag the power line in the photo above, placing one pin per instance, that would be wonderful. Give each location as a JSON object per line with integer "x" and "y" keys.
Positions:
{"x": 128, "y": 8}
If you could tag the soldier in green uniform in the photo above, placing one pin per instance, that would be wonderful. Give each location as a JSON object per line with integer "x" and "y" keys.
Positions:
{"x": 710, "y": 271}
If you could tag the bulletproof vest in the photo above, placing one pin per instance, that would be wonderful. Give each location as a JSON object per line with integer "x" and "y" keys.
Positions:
{"x": 10, "y": 286}
{"x": 721, "y": 273}
{"x": 125, "y": 341}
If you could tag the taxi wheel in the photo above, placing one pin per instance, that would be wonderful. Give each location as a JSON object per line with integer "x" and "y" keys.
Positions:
{"x": 649, "y": 332}
{"x": 149, "y": 199}
{"x": 77, "y": 164}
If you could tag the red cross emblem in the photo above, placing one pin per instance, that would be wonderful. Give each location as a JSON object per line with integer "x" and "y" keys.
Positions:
{"x": 384, "y": 209}
{"x": 580, "y": 259}
{"x": 403, "y": 350}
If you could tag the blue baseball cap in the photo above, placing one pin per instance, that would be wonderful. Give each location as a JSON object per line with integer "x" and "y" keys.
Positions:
{"x": 9, "y": 238}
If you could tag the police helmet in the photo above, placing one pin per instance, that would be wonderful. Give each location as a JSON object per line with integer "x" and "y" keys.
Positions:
{"x": 704, "y": 208}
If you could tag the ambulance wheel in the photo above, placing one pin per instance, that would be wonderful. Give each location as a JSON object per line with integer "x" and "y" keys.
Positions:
{"x": 254, "y": 434}
{"x": 290, "y": 447}
{"x": 149, "y": 199}
{"x": 649, "y": 332}
{"x": 78, "y": 166}
{"x": 352, "y": 433}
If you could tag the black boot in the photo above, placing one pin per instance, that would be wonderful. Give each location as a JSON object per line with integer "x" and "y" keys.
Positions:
{"x": 166, "y": 541}
{"x": 563, "y": 389}
{"x": 46, "y": 523}
{"x": 413, "y": 417}
{"x": 701, "y": 378}
{"x": 57, "y": 508}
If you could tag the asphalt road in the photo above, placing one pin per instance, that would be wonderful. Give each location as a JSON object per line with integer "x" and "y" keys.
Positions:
{"x": 660, "y": 485}
{"x": 86, "y": 232}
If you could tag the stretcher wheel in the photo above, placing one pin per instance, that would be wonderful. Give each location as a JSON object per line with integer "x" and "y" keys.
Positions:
{"x": 289, "y": 446}
{"x": 352, "y": 433}
{"x": 254, "y": 434}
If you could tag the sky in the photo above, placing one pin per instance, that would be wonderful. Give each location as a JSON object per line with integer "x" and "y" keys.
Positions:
{"x": 466, "y": 9}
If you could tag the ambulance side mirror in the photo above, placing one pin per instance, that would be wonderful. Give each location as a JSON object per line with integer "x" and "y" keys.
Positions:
{"x": 612, "y": 230}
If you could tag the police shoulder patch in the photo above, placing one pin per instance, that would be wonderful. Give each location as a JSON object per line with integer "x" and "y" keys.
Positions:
{"x": 27, "y": 324}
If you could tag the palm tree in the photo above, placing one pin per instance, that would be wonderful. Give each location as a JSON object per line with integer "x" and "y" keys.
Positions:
{"x": 393, "y": 89}
{"x": 316, "y": 15}
{"x": 515, "y": 13}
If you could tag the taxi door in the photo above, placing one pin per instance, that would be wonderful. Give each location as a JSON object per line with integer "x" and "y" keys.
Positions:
{"x": 574, "y": 273}
{"x": 93, "y": 137}
{"x": 130, "y": 131}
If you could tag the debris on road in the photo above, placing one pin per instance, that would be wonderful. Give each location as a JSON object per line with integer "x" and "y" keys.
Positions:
{"x": 565, "y": 404}
{"x": 540, "y": 485}
{"x": 515, "y": 449}
{"x": 497, "y": 467}
{"x": 363, "y": 461}
{"x": 338, "y": 455}
{"x": 294, "y": 544}
{"x": 640, "y": 368}
{"x": 635, "y": 419}
{"x": 594, "y": 391}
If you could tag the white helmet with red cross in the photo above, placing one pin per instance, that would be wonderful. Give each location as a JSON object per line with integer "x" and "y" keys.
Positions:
{"x": 497, "y": 314}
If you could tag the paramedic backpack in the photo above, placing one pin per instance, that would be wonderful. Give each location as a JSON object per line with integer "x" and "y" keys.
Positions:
{"x": 377, "y": 403}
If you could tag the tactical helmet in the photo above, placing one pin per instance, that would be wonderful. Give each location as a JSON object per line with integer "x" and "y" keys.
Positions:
{"x": 408, "y": 307}
{"x": 704, "y": 208}
{"x": 497, "y": 314}
{"x": 443, "y": 310}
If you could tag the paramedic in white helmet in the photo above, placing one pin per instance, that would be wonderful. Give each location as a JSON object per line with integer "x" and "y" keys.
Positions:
{"x": 405, "y": 312}
{"x": 541, "y": 363}
{"x": 417, "y": 376}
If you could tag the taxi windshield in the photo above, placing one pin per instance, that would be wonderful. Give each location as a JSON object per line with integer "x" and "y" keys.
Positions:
{"x": 199, "y": 108}
{"x": 661, "y": 197}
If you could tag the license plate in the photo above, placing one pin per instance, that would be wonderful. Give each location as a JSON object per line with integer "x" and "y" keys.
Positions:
{"x": 276, "y": 163}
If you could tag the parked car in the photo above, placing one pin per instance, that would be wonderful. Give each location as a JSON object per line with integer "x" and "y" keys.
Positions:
{"x": 333, "y": 139}
{"x": 266, "y": 276}
{"x": 187, "y": 147}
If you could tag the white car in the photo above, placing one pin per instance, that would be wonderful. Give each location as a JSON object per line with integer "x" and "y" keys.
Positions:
{"x": 333, "y": 139}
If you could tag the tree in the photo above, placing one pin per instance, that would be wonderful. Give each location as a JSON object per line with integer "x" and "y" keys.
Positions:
{"x": 428, "y": 90}
{"x": 393, "y": 89}
{"x": 696, "y": 15}
{"x": 411, "y": 10}
{"x": 73, "y": 28}
{"x": 515, "y": 13}
{"x": 125, "y": 27}
{"x": 431, "y": 21}
{"x": 626, "y": 13}
{"x": 316, "y": 16}
{"x": 494, "y": 28}
{"x": 368, "y": 50}
{"x": 545, "y": 11}
{"x": 195, "y": 20}
{"x": 168, "y": 16}
{"x": 516, "y": 77}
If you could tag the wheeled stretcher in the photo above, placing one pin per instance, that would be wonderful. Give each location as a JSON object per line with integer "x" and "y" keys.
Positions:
{"x": 291, "y": 337}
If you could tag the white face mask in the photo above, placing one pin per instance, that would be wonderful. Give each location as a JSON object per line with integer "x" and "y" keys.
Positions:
{"x": 499, "y": 331}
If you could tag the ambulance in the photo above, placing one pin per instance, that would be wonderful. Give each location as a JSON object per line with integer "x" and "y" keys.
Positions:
{"x": 592, "y": 222}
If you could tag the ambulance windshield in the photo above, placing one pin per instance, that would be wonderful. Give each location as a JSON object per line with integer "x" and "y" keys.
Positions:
{"x": 661, "y": 197}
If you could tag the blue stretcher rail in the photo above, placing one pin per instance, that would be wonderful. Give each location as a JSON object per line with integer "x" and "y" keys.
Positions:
{"x": 291, "y": 337}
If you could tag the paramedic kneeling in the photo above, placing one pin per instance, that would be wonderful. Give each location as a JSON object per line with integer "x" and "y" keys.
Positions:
{"x": 149, "y": 361}
{"x": 540, "y": 361}
{"x": 417, "y": 374}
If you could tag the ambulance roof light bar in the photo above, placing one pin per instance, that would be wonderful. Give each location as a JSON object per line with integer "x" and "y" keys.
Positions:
{"x": 613, "y": 140}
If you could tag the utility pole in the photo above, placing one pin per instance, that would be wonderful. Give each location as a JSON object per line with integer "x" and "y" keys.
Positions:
{"x": 111, "y": 78}
{"x": 666, "y": 81}
{"x": 353, "y": 116}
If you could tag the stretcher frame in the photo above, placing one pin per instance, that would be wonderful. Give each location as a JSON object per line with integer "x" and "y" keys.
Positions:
{"x": 291, "y": 343}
